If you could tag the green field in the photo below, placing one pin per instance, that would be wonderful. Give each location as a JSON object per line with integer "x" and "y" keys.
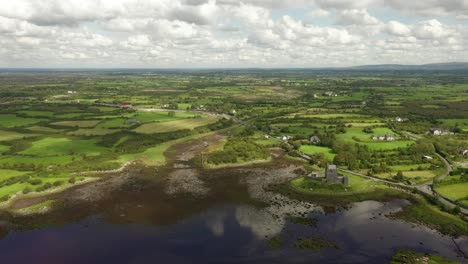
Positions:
{"x": 145, "y": 117}
{"x": 315, "y": 150}
{"x": 36, "y": 160}
{"x": 6, "y": 174}
{"x": 164, "y": 127}
{"x": 4, "y": 148}
{"x": 356, "y": 135}
{"x": 80, "y": 124}
{"x": 455, "y": 192}
{"x": 10, "y": 120}
{"x": 63, "y": 146}
{"x": 43, "y": 129}
{"x": 10, "y": 135}
{"x": 37, "y": 113}
{"x": 98, "y": 131}
{"x": 152, "y": 156}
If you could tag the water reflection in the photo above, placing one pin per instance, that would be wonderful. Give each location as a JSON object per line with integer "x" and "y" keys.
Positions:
{"x": 228, "y": 234}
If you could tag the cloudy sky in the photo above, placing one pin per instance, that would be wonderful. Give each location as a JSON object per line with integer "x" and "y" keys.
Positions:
{"x": 228, "y": 33}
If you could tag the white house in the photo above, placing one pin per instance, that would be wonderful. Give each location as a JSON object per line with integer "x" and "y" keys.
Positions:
{"x": 439, "y": 132}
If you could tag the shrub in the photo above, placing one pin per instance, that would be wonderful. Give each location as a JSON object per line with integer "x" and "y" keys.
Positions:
{"x": 44, "y": 187}
{"x": 5, "y": 198}
{"x": 72, "y": 180}
{"x": 35, "y": 181}
{"x": 58, "y": 183}
{"x": 27, "y": 190}
{"x": 456, "y": 210}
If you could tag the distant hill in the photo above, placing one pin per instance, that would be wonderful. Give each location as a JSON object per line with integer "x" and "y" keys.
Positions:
{"x": 449, "y": 66}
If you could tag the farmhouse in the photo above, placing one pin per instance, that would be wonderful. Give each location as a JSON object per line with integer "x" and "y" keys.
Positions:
{"x": 387, "y": 137}
{"x": 331, "y": 176}
{"x": 314, "y": 139}
{"x": 439, "y": 132}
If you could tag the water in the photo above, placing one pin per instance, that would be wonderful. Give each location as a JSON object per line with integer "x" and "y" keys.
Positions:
{"x": 226, "y": 233}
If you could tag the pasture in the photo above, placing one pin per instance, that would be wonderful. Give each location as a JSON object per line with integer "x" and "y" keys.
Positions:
{"x": 80, "y": 123}
{"x": 316, "y": 150}
{"x": 169, "y": 126}
{"x": 62, "y": 146}
{"x": 455, "y": 192}
{"x": 11, "y": 120}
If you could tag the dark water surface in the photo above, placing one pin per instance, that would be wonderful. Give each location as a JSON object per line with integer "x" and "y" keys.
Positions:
{"x": 229, "y": 234}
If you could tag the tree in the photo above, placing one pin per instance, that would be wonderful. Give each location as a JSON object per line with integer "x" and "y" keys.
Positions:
{"x": 399, "y": 176}
{"x": 456, "y": 210}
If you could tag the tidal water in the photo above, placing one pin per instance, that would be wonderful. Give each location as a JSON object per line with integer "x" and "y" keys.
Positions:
{"x": 229, "y": 233}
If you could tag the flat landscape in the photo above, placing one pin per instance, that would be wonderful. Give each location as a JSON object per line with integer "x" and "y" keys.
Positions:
{"x": 249, "y": 147}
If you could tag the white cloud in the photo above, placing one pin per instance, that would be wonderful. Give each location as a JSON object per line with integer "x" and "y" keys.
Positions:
{"x": 224, "y": 33}
{"x": 397, "y": 28}
{"x": 356, "y": 17}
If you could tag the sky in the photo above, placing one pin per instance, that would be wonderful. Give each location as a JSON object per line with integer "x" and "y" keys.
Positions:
{"x": 230, "y": 34}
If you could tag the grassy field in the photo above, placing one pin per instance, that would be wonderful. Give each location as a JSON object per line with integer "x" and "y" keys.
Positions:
{"x": 43, "y": 129}
{"x": 4, "y": 148}
{"x": 6, "y": 174}
{"x": 36, "y": 160}
{"x": 164, "y": 127}
{"x": 422, "y": 176}
{"x": 37, "y": 113}
{"x": 10, "y": 135}
{"x": 314, "y": 150}
{"x": 152, "y": 156}
{"x": 356, "y": 135}
{"x": 145, "y": 117}
{"x": 80, "y": 124}
{"x": 98, "y": 131}
{"x": 10, "y": 120}
{"x": 63, "y": 146}
{"x": 455, "y": 192}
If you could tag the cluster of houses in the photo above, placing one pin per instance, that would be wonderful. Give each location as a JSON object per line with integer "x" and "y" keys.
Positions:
{"x": 71, "y": 92}
{"x": 440, "y": 132}
{"x": 387, "y": 137}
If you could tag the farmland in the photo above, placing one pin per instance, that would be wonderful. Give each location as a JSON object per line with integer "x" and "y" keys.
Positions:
{"x": 227, "y": 137}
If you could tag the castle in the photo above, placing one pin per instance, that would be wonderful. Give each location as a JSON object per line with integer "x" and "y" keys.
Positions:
{"x": 331, "y": 176}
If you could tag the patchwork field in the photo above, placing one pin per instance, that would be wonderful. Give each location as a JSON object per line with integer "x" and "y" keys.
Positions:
{"x": 62, "y": 146}
{"x": 10, "y": 120}
{"x": 164, "y": 127}
{"x": 10, "y": 135}
{"x": 80, "y": 124}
